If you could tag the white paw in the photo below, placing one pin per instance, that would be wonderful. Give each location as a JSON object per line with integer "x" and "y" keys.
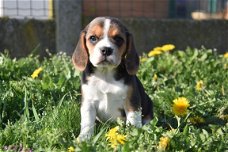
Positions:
{"x": 83, "y": 137}
{"x": 134, "y": 118}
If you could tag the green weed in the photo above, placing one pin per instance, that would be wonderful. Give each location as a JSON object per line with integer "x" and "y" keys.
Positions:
{"x": 42, "y": 113}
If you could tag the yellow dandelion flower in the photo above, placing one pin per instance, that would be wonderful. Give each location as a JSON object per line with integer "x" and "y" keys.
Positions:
{"x": 167, "y": 47}
{"x": 163, "y": 143}
{"x": 154, "y": 53}
{"x": 155, "y": 77}
{"x": 180, "y": 106}
{"x": 36, "y": 73}
{"x": 199, "y": 85}
{"x": 197, "y": 120}
{"x": 157, "y": 48}
{"x": 121, "y": 139}
{"x": 112, "y": 132}
{"x": 114, "y": 144}
{"x": 226, "y": 55}
{"x": 115, "y": 138}
{"x": 71, "y": 149}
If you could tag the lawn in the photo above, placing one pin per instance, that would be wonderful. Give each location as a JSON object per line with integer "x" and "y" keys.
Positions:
{"x": 40, "y": 111}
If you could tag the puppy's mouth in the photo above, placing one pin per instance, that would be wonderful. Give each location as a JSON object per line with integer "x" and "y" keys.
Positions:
{"x": 105, "y": 61}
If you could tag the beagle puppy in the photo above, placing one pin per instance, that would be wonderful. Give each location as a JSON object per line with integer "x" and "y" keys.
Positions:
{"x": 108, "y": 60}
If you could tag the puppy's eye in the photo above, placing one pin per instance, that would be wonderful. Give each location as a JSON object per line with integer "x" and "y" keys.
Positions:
{"x": 118, "y": 40}
{"x": 93, "y": 39}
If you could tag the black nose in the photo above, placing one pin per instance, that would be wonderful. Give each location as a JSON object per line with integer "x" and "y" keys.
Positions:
{"x": 106, "y": 51}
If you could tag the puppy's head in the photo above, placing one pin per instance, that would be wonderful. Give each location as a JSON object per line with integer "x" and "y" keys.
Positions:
{"x": 106, "y": 43}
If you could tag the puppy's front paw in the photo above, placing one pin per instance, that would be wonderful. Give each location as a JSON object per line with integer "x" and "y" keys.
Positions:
{"x": 134, "y": 118}
{"x": 83, "y": 137}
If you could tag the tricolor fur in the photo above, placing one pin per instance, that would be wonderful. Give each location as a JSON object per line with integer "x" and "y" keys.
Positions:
{"x": 108, "y": 60}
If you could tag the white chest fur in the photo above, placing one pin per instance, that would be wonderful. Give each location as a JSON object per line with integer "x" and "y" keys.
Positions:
{"x": 105, "y": 95}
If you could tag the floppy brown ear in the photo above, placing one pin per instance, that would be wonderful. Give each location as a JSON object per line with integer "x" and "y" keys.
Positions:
{"x": 131, "y": 57}
{"x": 80, "y": 55}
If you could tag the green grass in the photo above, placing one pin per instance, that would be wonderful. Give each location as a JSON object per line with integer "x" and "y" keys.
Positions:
{"x": 42, "y": 114}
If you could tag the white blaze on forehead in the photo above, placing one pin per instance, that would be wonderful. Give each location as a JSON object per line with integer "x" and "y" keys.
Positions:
{"x": 107, "y": 24}
{"x": 96, "y": 57}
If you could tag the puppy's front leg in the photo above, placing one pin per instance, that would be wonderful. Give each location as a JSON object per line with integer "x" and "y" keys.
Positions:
{"x": 134, "y": 118}
{"x": 88, "y": 116}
